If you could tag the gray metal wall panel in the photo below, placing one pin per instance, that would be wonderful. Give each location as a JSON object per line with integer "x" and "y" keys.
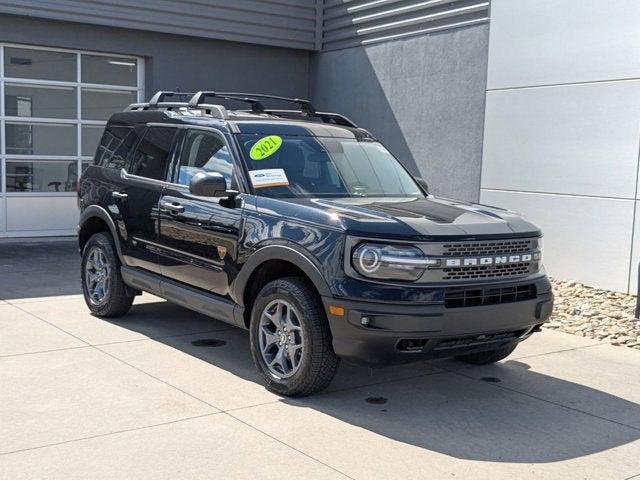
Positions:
{"x": 422, "y": 96}
{"x": 285, "y": 23}
{"x": 348, "y": 23}
{"x": 175, "y": 62}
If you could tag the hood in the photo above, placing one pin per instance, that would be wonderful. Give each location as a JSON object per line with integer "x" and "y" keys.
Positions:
{"x": 406, "y": 218}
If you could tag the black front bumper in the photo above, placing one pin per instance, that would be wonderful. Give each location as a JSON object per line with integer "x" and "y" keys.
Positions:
{"x": 397, "y": 333}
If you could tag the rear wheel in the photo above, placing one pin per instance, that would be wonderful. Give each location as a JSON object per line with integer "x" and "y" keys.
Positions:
{"x": 485, "y": 358}
{"x": 104, "y": 290}
{"x": 290, "y": 339}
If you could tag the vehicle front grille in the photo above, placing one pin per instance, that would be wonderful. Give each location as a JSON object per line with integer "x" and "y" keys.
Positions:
{"x": 473, "y": 297}
{"x": 489, "y": 271}
{"x": 459, "y": 342}
{"x": 497, "y": 247}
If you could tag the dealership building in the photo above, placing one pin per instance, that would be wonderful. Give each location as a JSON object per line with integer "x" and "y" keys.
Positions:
{"x": 531, "y": 105}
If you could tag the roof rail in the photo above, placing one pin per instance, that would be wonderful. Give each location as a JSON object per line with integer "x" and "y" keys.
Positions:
{"x": 326, "y": 117}
{"x": 146, "y": 106}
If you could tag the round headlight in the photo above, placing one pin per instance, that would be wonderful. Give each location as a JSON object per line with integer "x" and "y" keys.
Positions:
{"x": 369, "y": 259}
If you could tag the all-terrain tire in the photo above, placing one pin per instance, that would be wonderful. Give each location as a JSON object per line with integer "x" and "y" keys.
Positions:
{"x": 318, "y": 362}
{"x": 117, "y": 300}
{"x": 485, "y": 358}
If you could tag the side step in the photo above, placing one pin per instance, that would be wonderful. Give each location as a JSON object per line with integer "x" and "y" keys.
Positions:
{"x": 185, "y": 296}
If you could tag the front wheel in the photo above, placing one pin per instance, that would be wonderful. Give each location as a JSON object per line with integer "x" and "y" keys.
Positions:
{"x": 485, "y": 358}
{"x": 104, "y": 290}
{"x": 291, "y": 342}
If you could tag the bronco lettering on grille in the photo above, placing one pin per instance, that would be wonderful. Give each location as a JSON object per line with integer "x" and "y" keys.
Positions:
{"x": 473, "y": 261}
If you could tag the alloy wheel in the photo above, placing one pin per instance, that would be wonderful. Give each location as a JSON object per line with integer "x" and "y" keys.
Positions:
{"x": 97, "y": 273}
{"x": 281, "y": 338}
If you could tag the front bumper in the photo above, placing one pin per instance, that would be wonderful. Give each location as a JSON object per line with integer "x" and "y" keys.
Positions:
{"x": 397, "y": 333}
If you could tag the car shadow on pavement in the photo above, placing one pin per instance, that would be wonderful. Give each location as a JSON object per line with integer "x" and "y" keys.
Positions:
{"x": 450, "y": 412}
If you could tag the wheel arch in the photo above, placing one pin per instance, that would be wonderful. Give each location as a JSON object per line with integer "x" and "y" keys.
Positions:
{"x": 271, "y": 262}
{"x": 94, "y": 219}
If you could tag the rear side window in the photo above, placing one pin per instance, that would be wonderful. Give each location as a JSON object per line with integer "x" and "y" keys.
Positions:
{"x": 114, "y": 147}
{"x": 151, "y": 156}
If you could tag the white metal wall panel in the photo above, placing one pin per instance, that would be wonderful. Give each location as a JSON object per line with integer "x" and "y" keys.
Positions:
{"x": 285, "y": 23}
{"x": 537, "y": 42}
{"x": 580, "y": 139}
{"x": 586, "y": 239}
{"x": 347, "y": 23}
{"x": 563, "y": 118}
{"x": 42, "y": 215}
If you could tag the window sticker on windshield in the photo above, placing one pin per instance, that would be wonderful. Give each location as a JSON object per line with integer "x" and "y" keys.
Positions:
{"x": 270, "y": 177}
{"x": 265, "y": 147}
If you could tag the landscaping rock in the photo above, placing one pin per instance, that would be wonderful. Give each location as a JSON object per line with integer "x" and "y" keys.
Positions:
{"x": 595, "y": 313}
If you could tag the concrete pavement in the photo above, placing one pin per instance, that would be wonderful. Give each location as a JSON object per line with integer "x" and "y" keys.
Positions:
{"x": 167, "y": 393}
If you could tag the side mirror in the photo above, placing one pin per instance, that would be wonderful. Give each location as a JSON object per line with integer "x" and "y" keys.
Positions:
{"x": 208, "y": 184}
{"x": 423, "y": 183}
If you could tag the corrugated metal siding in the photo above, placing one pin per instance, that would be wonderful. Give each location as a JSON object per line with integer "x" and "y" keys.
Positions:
{"x": 348, "y": 23}
{"x": 284, "y": 23}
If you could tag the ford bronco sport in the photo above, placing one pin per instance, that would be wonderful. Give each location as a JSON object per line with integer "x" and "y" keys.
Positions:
{"x": 302, "y": 228}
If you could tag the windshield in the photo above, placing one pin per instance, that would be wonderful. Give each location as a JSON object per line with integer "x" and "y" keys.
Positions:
{"x": 298, "y": 166}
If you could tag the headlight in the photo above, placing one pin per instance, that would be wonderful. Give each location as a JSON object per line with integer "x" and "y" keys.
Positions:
{"x": 389, "y": 262}
{"x": 537, "y": 256}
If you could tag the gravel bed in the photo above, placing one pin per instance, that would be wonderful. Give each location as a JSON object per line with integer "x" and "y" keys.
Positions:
{"x": 594, "y": 313}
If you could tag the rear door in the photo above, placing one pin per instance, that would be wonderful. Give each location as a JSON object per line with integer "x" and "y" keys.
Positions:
{"x": 200, "y": 235}
{"x": 144, "y": 181}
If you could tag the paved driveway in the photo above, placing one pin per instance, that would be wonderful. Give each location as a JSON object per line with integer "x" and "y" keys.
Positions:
{"x": 167, "y": 393}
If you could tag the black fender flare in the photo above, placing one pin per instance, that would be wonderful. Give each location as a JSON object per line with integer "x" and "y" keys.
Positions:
{"x": 278, "y": 252}
{"x": 94, "y": 211}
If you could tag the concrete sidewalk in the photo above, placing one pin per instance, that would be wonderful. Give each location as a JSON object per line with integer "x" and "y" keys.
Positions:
{"x": 167, "y": 393}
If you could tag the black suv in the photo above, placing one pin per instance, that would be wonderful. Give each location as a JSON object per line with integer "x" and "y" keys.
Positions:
{"x": 302, "y": 228}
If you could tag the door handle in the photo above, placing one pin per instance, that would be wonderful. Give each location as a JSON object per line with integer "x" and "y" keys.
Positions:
{"x": 172, "y": 207}
{"x": 119, "y": 195}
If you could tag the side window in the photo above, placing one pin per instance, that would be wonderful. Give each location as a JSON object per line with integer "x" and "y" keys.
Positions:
{"x": 204, "y": 152}
{"x": 151, "y": 156}
{"x": 114, "y": 146}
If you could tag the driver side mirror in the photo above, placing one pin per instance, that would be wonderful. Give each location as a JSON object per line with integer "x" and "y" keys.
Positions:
{"x": 423, "y": 183}
{"x": 208, "y": 184}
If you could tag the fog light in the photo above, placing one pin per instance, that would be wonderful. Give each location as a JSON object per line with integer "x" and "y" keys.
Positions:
{"x": 365, "y": 321}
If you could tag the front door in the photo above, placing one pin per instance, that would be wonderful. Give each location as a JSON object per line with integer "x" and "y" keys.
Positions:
{"x": 139, "y": 196}
{"x": 200, "y": 235}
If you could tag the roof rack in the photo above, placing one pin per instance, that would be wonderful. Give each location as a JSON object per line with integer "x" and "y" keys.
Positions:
{"x": 196, "y": 102}
{"x": 198, "y": 99}
{"x": 156, "y": 102}
{"x": 305, "y": 105}
{"x": 161, "y": 95}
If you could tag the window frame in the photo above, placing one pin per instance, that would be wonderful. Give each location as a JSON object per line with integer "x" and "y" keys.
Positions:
{"x": 175, "y": 168}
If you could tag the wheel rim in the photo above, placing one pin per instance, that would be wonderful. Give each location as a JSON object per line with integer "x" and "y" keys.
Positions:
{"x": 281, "y": 338}
{"x": 96, "y": 276}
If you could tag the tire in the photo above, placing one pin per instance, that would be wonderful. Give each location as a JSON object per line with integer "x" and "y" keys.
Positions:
{"x": 116, "y": 300}
{"x": 485, "y": 358}
{"x": 316, "y": 362}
